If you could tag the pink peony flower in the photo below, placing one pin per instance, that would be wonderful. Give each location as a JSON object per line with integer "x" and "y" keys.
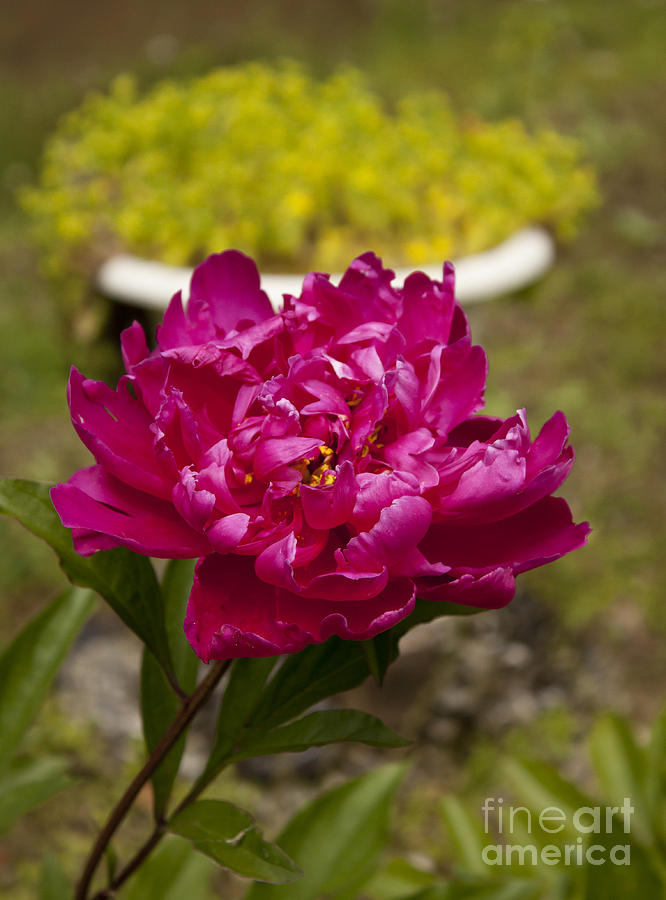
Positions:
{"x": 325, "y": 463}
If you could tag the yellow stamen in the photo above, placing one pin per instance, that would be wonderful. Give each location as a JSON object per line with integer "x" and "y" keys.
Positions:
{"x": 301, "y": 466}
{"x": 249, "y": 478}
{"x": 322, "y": 474}
{"x": 321, "y": 471}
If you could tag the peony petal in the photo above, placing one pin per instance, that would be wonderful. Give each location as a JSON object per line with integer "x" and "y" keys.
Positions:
{"x": 549, "y": 444}
{"x": 225, "y": 289}
{"x": 225, "y": 534}
{"x": 352, "y": 621}
{"x": 401, "y": 526}
{"x": 478, "y": 428}
{"x": 486, "y": 486}
{"x": 213, "y": 476}
{"x": 376, "y": 491}
{"x": 174, "y": 330}
{"x": 368, "y": 363}
{"x": 248, "y": 339}
{"x": 538, "y": 534}
{"x": 193, "y": 504}
{"x": 329, "y": 400}
{"x": 208, "y": 379}
{"x": 116, "y": 428}
{"x": 96, "y": 502}
{"x": 232, "y": 613}
{"x": 460, "y": 330}
{"x": 331, "y": 505}
{"x": 369, "y": 283}
{"x": 89, "y": 542}
{"x": 413, "y": 564}
{"x": 275, "y": 452}
{"x": 428, "y": 308}
{"x": 367, "y": 415}
{"x": 407, "y": 390}
{"x": 275, "y": 565}
{"x": 346, "y": 586}
{"x": 176, "y": 437}
{"x": 489, "y": 591}
{"x": 460, "y": 385}
{"x": 505, "y": 479}
{"x": 133, "y": 345}
{"x": 148, "y": 379}
{"x": 408, "y": 454}
{"x": 364, "y": 295}
{"x": 367, "y": 331}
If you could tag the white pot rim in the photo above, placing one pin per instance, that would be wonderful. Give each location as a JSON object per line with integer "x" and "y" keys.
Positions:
{"x": 515, "y": 263}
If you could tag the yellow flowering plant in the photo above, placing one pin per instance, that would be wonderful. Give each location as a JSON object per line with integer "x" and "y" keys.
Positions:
{"x": 301, "y": 174}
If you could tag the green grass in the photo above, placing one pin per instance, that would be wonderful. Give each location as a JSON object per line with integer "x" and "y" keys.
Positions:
{"x": 588, "y": 341}
{"x": 36, "y": 438}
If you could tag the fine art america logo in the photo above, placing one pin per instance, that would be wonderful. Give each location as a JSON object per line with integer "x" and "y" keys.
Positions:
{"x": 586, "y": 821}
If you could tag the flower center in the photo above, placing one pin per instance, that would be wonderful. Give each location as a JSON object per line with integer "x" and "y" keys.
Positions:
{"x": 319, "y": 470}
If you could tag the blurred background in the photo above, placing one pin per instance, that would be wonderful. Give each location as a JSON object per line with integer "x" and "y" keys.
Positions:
{"x": 584, "y": 635}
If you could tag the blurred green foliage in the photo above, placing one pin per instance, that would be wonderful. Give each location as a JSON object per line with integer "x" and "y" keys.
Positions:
{"x": 294, "y": 171}
{"x": 490, "y": 856}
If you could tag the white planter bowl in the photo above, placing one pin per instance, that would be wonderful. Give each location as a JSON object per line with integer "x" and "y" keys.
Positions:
{"x": 515, "y": 263}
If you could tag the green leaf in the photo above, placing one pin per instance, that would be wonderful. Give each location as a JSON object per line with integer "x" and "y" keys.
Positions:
{"x": 380, "y": 651}
{"x": 111, "y": 858}
{"x": 321, "y": 670}
{"x": 397, "y": 880}
{"x": 640, "y": 878}
{"x": 172, "y": 872}
{"x": 427, "y": 610}
{"x": 462, "y": 889}
{"x": 159, "y": 703}
{"x": 176, "y": 586}
{"x": 211, "y": 820}
{"x": 53, "y": 883}
{"x": 305, "y": 678}
{"x": 227, "y": 835}
{"x": 124, "y": 579}
{"x": 250, "y": 709}
{"x": 331, "y": 726}
{"x": 252, "y": 857}
{"x": 620, "y": 768}
{"x": 29, "y": 663}
{"x": 27, "y": 785}
{"x": 513, "y": 889}
{"x": 466, "y": 833}
{"x": 239, "y": 701}
{"x": 539, "y": 785}
{"x": 655, "y": 775}
{"x": 338, "y": 837}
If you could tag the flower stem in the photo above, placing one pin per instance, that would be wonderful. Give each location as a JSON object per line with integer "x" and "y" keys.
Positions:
{"x": 182, "y": 719}
{"x": 175, "y": 687}
{"x": 139, "y": 857}
{"x": 146, "y": 849}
